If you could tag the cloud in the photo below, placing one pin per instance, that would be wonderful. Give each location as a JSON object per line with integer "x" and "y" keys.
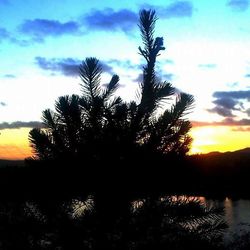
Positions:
{"x": 111, "y": 20}
{"x": 162, "y": 77}
{"x": 224, "y": 122}
{"x": 176, "y": 9}
{"x": 65, "y": 66}
{"x": 7, "y": 36}
{"x": 248, "y": 112}
{"x": 207, "y": 66}
{"x": 228, "y": 101}
{"x": 106, "y": 68}
{"x": 233, "y": 84}
{"x": 4, "y": 34}
{"x": 127, "y": 64}
{"x": 40, "y": 28}
{"x": 238, "y": 5}
{"x": 3, "y": 104}
{"x": 225, "y": 112}
{"x": 240, "y": 94}
{"x": 20, "y": 124}
{"x": 9, "y": 76}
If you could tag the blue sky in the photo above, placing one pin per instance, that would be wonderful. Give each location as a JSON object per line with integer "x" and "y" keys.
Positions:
{"x": 207, "y": 53}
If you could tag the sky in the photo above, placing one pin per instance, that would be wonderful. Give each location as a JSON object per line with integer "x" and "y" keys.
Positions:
{"x": 42, "y": 43}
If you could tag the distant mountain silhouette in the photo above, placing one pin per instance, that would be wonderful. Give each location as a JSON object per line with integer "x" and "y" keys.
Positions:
{"x": 226, "y": 173}
{"x": 11, "y": 163}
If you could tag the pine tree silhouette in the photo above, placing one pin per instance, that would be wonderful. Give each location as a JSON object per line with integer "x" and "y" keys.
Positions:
{"x": 111, "y": 146}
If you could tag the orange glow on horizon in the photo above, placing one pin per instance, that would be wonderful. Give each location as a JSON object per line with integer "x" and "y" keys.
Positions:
{"x": 218, "y": 138}
{"x": 14, "y": 143}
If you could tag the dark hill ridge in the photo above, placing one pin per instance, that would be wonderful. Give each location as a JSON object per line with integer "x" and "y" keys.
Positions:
{"x": 212, "y": 174}
{"x": 226, "y": 173}
{"x": 11, "y": 163}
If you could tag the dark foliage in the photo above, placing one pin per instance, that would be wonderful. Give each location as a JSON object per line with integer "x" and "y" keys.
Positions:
{"x": 102, "y": 168}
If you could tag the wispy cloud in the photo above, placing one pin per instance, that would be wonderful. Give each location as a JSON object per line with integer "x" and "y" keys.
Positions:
{"x": 169, "y": 61}
{"x": 176, "y": 9}
{"x": 127, "y": 64}
{"x": 238, "y": 5}
{"x": 20, "y": 124}
{"x": 65, "y": 66}
{"x": 9, "y": 76}
{"x": 111, "y": 20}
{"x": 207, "y": 66}
{"x": 38, "y": 29}
{"x": 3, "y": 104}
{"x": 4, "y": 34}
{"x": 224, "y": 122}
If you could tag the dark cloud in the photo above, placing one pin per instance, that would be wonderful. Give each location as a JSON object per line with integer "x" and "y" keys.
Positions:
{"x": 238, "y": 5}
{"x": 106, "y": 68}
{"x": 240, "y": 94}
{"x": 3, "y": 104}
{"x": 163, "y": 77}
{"x": 173, "y": 10}
{"x": 248, "y": 112}
{"x": 40, "y": 28}
{"x": 111, "y": 20}
{"x": 225, "y": 122}
{"x": 65, "y": 66}
{"x": 228, "y": 101}
{"x": 20, "y": 124}
{"x": 207, "y": 66}
{"x": 247, "y": 75}
{"x": 221, "y": 111}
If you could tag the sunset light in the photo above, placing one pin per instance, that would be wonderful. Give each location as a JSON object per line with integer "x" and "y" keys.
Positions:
{"x": 125, "y": 124}
{"x": 207, "y": 55}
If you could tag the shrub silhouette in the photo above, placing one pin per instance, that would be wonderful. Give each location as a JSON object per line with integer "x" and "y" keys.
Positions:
{"x": 97, "y": 125}
{"x": 110, "y": 148}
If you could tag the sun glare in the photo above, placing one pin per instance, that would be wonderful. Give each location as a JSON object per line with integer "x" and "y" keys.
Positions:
{"x": 218, "y": 138}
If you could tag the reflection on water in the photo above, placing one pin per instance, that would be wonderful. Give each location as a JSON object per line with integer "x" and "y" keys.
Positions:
{"x": 237, "y": 215}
